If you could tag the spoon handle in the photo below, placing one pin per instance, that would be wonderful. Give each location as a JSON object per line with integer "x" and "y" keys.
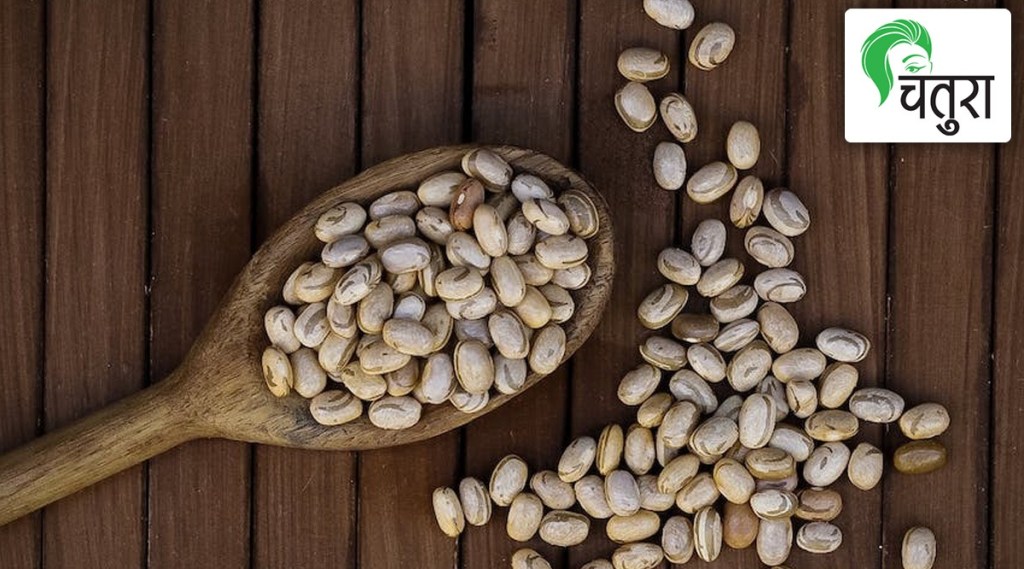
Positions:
{"x": 110, "y": 440}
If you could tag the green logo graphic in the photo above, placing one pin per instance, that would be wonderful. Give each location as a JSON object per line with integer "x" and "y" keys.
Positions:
{"x": 905, "y": 42}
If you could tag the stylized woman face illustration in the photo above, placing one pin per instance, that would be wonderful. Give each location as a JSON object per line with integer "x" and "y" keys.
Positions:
{"x": 900, "y": 47}
{"x": 908, "y": 58}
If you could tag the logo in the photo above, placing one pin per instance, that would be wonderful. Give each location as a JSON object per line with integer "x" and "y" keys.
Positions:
{"x": 927, "y": 75}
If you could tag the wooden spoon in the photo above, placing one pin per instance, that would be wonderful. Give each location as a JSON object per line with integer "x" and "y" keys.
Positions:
{"x": 218, "y": 391}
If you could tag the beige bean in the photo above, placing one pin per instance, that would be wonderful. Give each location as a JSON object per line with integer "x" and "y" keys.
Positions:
{"x": 651, "y": 498}
{"x": 770, "y": 463}
{"x": 308, "y": 378}
{"x": 395, "y": 412}
{"x": 577, "y": 459}
{"x": 439, "y": 189}
{"x": 529, "y": 559}
{"x": 843, "y": 345}
{"x": 403, "y": 380}
{"x": 488, "y": 167}
{"x": 679, "y": 266}
{"x": 756, "y": 421}
{"x": 711, "y": 182}
{"x": 341, "y": 318}
{"x": 708, "y": 242}
{"x": 778, "y": 327}
{"x": 737, "y": 335}
{"x": 707, "y": 534}
{"x": 837, "y": 384}
{"x": 335, "y": 352}
{"x": 358, "y": 281}
{"x": 734, "y": 304}
{"x": 675, "y": 14}
{"x": 924, "y": 421}
{"x": 643, "y": 64}
{"x": 560, "y": 301}
{"x": 561, "y": 252}
{"x": 440, "y": 323}
{"x": 768, "y": 247}
{"x": 572, "y": 278}
{"x": 699, "y": 492}
{"x": 375, "y": 309}
{"x": 546, "y": 216}
{"x": 509, "y": 375}
{"x": 334, "y": 407}
{"x": 677, "y": 540}
{"x": 679, "y": 118}
{"x": 381, "y": 232}
{"x": 527, "y": 187}
{"x": 279, "y": 323}
{"x": 802, "y": 364}
{"x": 474, "y": 367}
{"x": 720, "y": 277}
{"x": 395, "y": 203}
{"x": 865, "y": 466}
{"x": 598, "y": 564}
{"x": 469, "y": 402}
{"x": 662, "y": 305}
{"x": 476, "y": 307}
{"x": 832, "y": 425}
{"x": 521, "y": 233}
{"x": 918, "y": 549}
{"x": 366, "y": 386}
{"x": 819, "y": 537}
{"x": 410, "y": 306}
{"x": 508, "y": 479}
{"x": 792, "y": 440}
{"x": 476, "y": 502}
{"x": 733, "y": 481}
{"x": 433, "y": 223}
{"x": 591, "y": 496}
{"x": 686, "y": 385}
{"x": 448, "y": 512}
{"x": 663, "y": 353}
{"x": 678, "y": 473}
{"x": 555, "y": 493}
{"x": 345, "y": 251}
{"x": 581, "y": 212}
{"x": 669, "y": 166}
{"x": 428, "y": 276}
{"x": 678, "y": 424}
{"x": 638, "y": 450}
{"x": 524, "y": 516}
{"x": 774, "y": 541}
{"x": 745, "y": 206}
{"x": 777, "y": 391}
{"x": 277, "y": 371}
{"x": 826, "y": 464}
{"x": 490, "y": 230}
{"x": 458, "y": 283}
{"x": 749, "y": 366}
{"x": 819, "y": 505}
{"x": 637, "y": 556}
{"x": 695, "y": 328}
{"x": 609, "y": 449}
{"x": 785, "y": 212}
{"x": 743, "y": 145}
{"x": 564, "y": 529}
{"x": 802, "y": 397}
{"x": 636, "y": 106}
{"x": 548, "y": 349}
{"x": 311, "y": 326}
{"x": 714, "y": 436}
{"x": 622, "y": 493}
{"x": 652, "y": 411}
{"x": 711, "y": 46}
{"x": 509, "y": 334}
{"x": 730, "y": 407}
{"x": 340, "y": 220}
{"x": 707, "y": 362}
{"x": 780, "y": 285}
{"x": 773, "y": 504}
{"x": 629, "y": 529}
{"x": 876, "y": 405}
{"x": 437, "y": 379}
{"x": 508, "y": 281}
{"x": 919, "y": 457}
{"x": 463, "y": 250}
{"x": 379, "y": 357}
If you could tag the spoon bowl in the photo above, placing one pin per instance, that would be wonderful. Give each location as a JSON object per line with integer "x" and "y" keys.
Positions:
{"x": 218, "y": 391}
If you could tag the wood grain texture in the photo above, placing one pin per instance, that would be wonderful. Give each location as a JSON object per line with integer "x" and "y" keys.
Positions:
{"x": 305, "y": 502}
{"x": 525, "y": 101}
{"x": 618, "y": 161}
{"x": 845, "y": 188}
{"x": 750, "y": 85}
{"x": 940, "y": 286}
{"x": 96, "y": 264}
{"x": 22, "y": 148}
{"x": 201, "y": 175}
{"x": 412, "y": 89}
{"x": 1006, "y": 499}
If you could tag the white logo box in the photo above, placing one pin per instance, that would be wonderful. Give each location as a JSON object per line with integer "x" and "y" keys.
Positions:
{"x": 965, "y": 43}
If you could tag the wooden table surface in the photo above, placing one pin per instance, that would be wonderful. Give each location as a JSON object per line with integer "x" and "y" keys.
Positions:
{"x": 146, "y": 149}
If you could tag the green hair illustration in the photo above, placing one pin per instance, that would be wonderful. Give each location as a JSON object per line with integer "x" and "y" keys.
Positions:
{"x": 874, "y": 54}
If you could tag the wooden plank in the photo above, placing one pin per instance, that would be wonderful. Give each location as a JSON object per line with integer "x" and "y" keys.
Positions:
{"x": 202, "y": 184}
{"x": 843, "y": 254}
{"x": 525, "y": 100}
{"x": 618, "y": 162}
{"x": 22, "y": 186}
{"x": 96, "y": 262}
{"x": 1007, "y": 495}
{"x": 304, "y": 502}
{"x": 412, "y": 86}
{"x": 940, "y": 287}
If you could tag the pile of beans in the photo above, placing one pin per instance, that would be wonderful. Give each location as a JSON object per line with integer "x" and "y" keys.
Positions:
{"x": 739, "y": 431}
{"x": 486, "y": 253}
